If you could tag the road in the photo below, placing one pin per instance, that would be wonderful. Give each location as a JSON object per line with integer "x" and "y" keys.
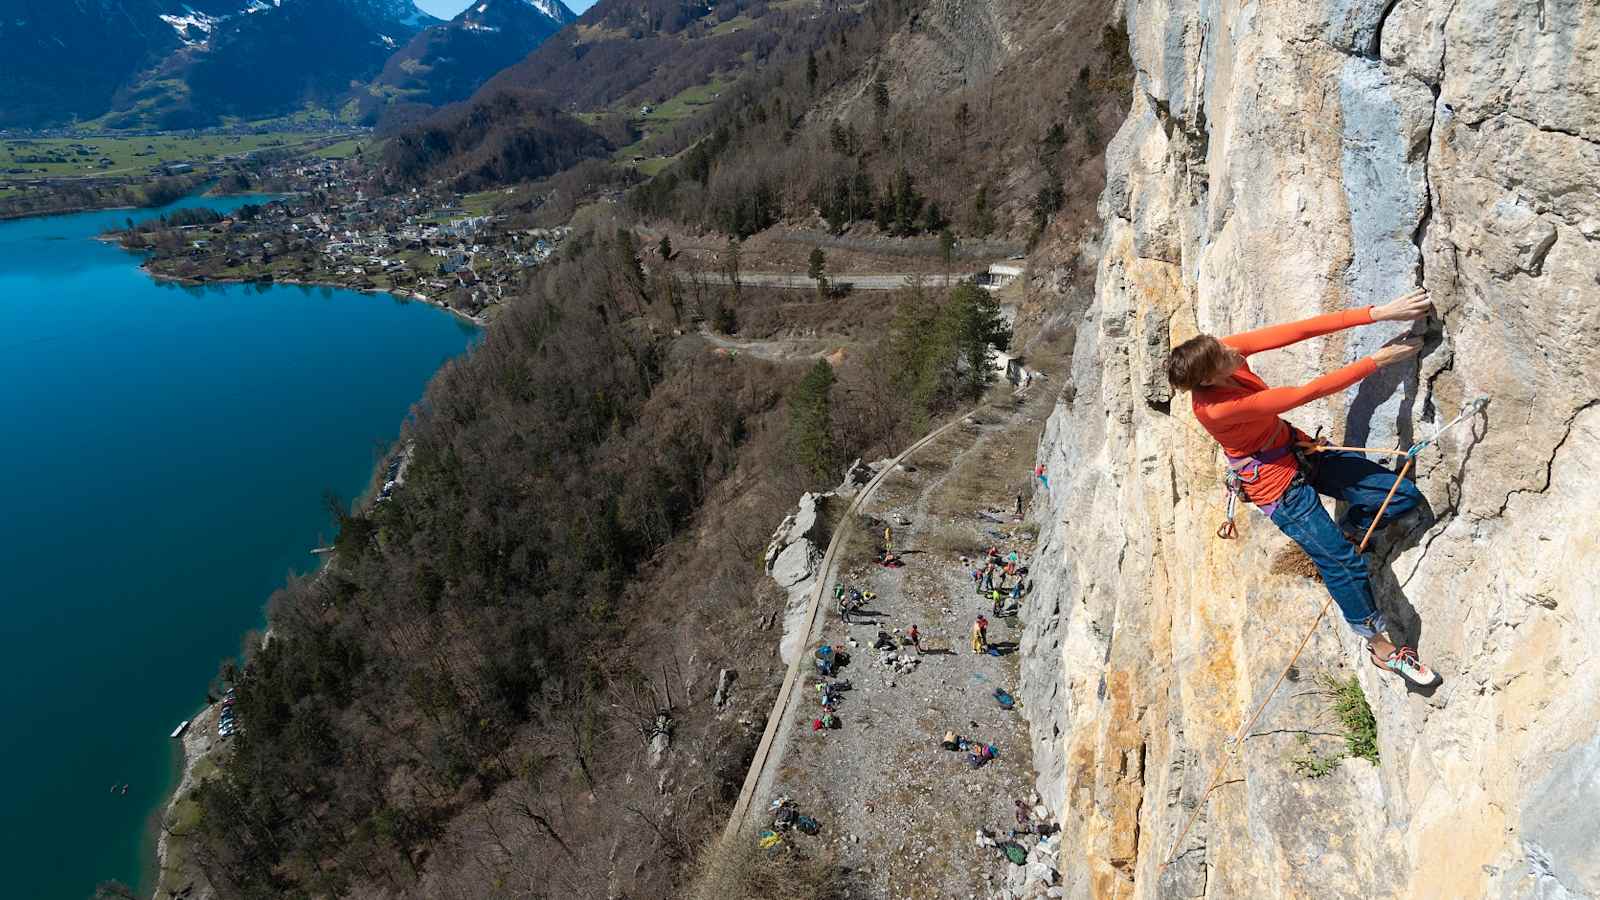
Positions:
{"x": 872, "y": 281}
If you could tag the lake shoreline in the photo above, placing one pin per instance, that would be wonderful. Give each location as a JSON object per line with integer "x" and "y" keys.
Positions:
{"x": 204, "y": 722}
{"x": 340, "y": 373}
{"x": 195, "y": 745}
{"x": 418, "y": 296}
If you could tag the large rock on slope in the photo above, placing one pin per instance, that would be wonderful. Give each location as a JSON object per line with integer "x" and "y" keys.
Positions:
{"x": 792, "y": 557}
{"x": 1281, "y": 160}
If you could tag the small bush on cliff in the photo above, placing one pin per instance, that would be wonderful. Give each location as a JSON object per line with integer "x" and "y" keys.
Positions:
{"x": 1355, "y": 718}
{"x": 1356, "y": 723}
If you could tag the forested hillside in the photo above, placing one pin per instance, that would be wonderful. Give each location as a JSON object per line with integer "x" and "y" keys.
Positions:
{"x": 460, "y": 701}
{"x": 624, "y": 54}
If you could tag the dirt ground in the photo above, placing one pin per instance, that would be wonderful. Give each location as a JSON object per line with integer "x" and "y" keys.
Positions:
{"x": 900, "y": 810}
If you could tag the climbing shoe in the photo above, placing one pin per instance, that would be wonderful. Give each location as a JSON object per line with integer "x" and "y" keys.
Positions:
{"x": 1404, "y": 662}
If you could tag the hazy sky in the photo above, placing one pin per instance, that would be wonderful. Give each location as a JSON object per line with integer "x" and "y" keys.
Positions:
{"x": 447, "y": 9}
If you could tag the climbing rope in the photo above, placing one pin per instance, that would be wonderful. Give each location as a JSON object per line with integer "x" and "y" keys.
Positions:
{"x": 1237, "y": 741}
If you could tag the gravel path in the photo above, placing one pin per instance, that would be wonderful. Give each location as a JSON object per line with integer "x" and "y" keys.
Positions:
{"x": 900, "y": 809}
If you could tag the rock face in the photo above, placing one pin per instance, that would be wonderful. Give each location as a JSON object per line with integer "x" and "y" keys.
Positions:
{"x": 1282, "y": 160}
{"x": 792, "y": 558}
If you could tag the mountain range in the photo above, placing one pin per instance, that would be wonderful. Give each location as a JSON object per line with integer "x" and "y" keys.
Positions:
{"x": 448, "y": 62}
{"x": 169, "y": 64}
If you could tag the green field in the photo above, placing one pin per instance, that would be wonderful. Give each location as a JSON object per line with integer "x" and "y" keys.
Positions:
{"x": 347, "y": 149}
{"x": 110, "y": 156}
{"x": 686, "y": 104}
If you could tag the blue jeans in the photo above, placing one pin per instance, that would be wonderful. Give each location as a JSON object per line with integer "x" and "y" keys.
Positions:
{"x": 1362, "y": 484}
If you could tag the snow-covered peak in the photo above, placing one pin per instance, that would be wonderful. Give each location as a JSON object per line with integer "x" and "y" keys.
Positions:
{"x": 192, "y": 28}
{"x": 491, "y": 15}
{"x": 555, "y": 9}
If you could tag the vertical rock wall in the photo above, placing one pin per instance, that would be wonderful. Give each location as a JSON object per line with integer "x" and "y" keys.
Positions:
{"x": 1283, "y": 159}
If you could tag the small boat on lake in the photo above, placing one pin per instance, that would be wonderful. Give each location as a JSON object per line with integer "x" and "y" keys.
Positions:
{"x": 178, "y": 732}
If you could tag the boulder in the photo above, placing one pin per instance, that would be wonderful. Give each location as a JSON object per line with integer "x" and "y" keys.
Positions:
{"x": 725, "y": 679}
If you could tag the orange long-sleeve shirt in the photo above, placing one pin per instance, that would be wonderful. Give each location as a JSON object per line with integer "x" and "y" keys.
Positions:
{"x": 1244, "y": 416}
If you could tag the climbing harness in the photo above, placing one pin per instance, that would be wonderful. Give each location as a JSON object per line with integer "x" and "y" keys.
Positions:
{"x": 1243, "y": 470}
{"x": 1471, "y": 409}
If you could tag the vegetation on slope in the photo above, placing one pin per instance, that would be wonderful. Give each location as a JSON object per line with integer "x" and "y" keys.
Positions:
{"x": 459, "y": 697}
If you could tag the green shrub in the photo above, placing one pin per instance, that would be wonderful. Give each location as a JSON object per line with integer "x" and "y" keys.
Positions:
{"x": 1355, "y": 718}
{"x": 1356, "y": 724}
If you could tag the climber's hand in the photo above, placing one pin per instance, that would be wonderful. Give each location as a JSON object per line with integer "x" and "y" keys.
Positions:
{"x": 1409, "y": 308}
{"x": 1389, "y": 354}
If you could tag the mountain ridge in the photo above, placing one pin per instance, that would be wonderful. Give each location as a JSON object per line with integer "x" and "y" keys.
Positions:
{"x": 448, "y": 62}
{"x": 167, "y": 64}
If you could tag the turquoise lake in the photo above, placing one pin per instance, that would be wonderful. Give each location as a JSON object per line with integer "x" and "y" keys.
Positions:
{"x": 164, "y": 457}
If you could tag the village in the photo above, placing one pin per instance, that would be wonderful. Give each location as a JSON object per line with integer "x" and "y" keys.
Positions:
{"x": 421, "y": 244}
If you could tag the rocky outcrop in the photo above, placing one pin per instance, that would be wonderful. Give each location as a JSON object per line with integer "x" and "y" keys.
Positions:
{"x": 792, "y": 558}
{"x": 1281, "y": 160}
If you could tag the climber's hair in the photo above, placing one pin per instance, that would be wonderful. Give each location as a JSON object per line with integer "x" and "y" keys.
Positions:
{"x": 1198, "y": 360}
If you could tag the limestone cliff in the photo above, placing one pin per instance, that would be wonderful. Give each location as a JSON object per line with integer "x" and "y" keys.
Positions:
{"x": 1283, "y": 159}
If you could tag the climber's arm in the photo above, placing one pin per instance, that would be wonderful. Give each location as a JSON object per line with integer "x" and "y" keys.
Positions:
{"x": 1276, "y": 401}
{"x": 1274, "y": 336}
{"x": 1408, "y": 308}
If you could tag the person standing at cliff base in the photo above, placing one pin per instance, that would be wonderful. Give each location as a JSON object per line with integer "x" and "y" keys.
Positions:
{"x": 1243, "y": 414}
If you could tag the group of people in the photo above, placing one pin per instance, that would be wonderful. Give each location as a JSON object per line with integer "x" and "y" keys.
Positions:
{"x": 978, "y": 752}
{"x": 851, "y": 601}
{"x": 998, "y": 578}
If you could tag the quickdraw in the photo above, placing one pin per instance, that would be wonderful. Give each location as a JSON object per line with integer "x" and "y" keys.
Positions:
{"x": 1228, "y": 530}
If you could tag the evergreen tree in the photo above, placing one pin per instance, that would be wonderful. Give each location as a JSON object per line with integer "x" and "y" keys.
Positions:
{"x": 907, "y": 203}
{"x": 811, "y": 71}
{"x": 838, "y": 139}
{"x": 836, "y": 207}
{"x": 880, "y": 93}
{"x": 974, "y": 323}
{"x": 817, "y": 269}
{"x": 665, "y": 247}
{"x": 811, "y": 421}
{"x": 860, "y": 195}
{"x": 982, "y": 215}
{"x": 730, "y": 266}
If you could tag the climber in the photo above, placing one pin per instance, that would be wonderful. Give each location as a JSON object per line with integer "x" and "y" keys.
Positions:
{"x": 1266, "y": 454}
